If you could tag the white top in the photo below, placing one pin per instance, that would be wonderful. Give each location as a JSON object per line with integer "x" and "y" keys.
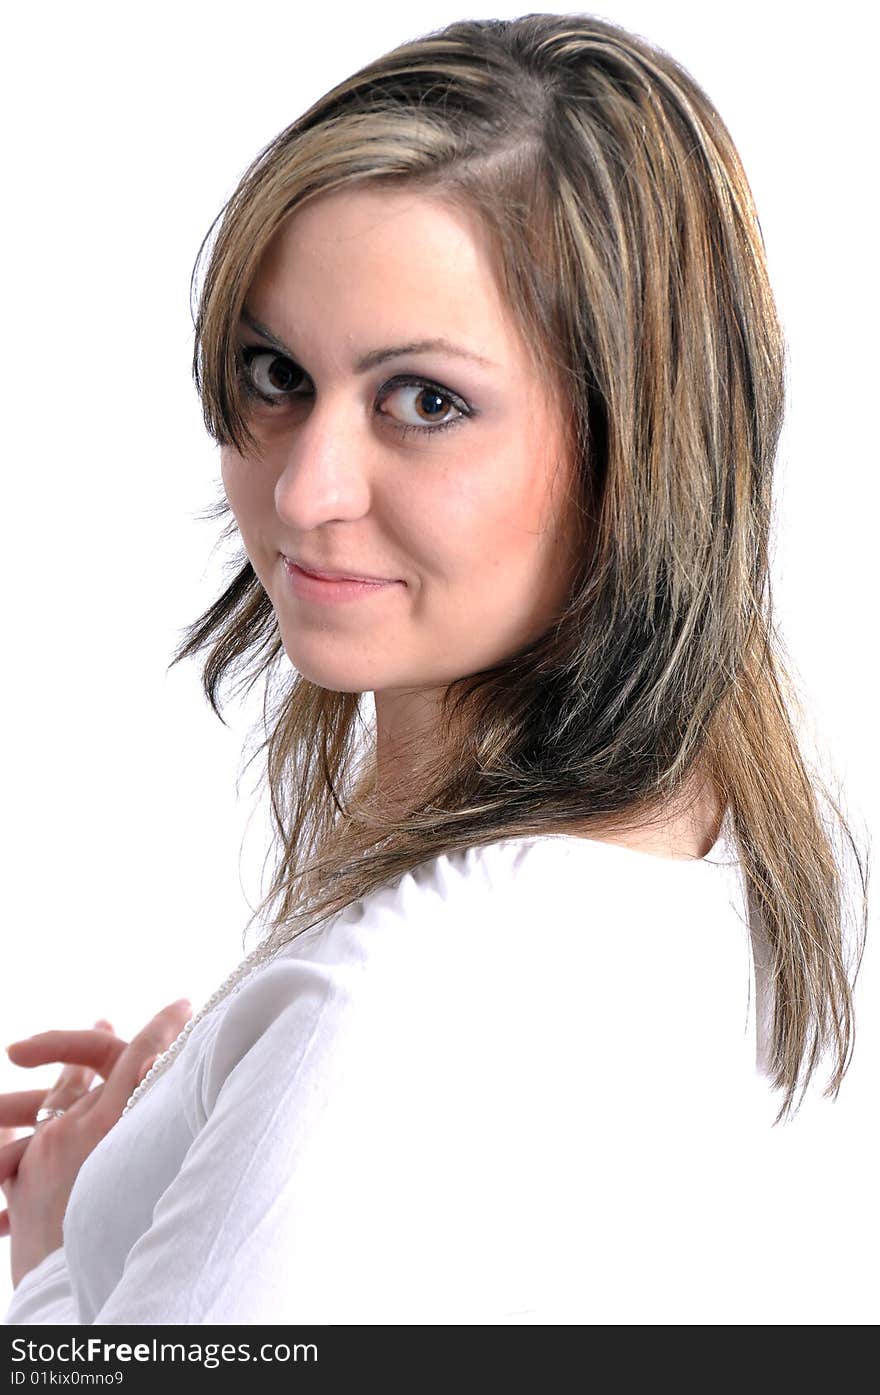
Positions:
{"x": 513, "y": 1086}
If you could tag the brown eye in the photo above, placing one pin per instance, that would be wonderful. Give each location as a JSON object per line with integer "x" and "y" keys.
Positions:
{"x": 275, "y": 379}
{"x": 427, "y": 406}
{"x": 269, "y": 375}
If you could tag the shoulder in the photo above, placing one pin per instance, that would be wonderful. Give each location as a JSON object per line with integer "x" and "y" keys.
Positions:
{"x": 417, "y": 948}
{"x": 488, "y": 901}
{"x": 523, "y": 875}
{"x": 557, "y": 930}
{"x": 493, "y": 903}
{"x": 519, "y": 890}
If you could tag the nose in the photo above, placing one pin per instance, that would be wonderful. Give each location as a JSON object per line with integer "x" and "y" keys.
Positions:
{"x": 325, "y": 474}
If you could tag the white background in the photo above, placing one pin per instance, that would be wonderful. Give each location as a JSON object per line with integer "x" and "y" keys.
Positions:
{"x": 125, "y": 130}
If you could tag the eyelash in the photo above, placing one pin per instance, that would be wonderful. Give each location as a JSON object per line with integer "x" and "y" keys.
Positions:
{"x": 248, "y": 352}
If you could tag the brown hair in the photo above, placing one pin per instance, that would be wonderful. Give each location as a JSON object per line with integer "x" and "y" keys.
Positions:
{"x": 630, "y": 252}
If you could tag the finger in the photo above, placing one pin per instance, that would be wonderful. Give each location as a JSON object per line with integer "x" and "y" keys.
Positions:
{"x": 151, "y": 1041}
{"x": 83, "y": 1103}
{"x": 88, "y": 1101}
{"x": 73, "y": 1081}
{"x": 98, "y": 1049}
{"x": 10, "y": 1156}
{"x": 19, "y": 1108}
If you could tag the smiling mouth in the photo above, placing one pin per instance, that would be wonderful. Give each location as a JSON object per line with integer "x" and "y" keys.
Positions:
{"x": 337, "y": 576}
{"x": 324, "y": 590}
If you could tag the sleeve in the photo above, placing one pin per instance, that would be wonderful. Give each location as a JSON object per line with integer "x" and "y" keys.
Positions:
{"x": 224, "y": 1233}
{"x": 350, "y": 1161}
{"x": 44, "y": 1295}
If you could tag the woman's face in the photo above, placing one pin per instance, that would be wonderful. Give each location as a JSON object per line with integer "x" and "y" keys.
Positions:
{"x": 472, "y": 525}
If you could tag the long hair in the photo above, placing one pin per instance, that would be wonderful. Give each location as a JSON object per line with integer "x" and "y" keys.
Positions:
{"x": 628, "y": 248}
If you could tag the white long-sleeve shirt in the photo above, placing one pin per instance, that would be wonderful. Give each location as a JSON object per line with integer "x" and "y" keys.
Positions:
{"x": 517, "y": 1085}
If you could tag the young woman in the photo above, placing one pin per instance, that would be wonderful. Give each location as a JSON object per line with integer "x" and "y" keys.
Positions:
{"x": 487, "y": 342}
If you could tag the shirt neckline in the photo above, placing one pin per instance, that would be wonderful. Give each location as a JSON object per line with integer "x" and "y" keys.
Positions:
{"x": 719, "y": 855}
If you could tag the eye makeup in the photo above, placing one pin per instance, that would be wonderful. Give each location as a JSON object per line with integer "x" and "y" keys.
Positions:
{"x": 250, "y": 354}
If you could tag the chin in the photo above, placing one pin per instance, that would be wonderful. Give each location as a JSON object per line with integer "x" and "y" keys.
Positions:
{"x": 339, "y": 677}
{"x": 326, "y": 676}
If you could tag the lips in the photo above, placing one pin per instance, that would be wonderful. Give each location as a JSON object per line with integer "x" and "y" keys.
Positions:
{"x": 334, "y": 576}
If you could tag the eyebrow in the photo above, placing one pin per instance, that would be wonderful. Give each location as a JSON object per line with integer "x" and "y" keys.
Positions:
{"x": 376, "y": 356}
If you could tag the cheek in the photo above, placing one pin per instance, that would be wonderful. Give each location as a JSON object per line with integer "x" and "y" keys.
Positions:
{"x": 241, "y": 486}
{"x": 505, "y": 518}
{"x": 516, "y": 549}
{"x": 230, "y": 473}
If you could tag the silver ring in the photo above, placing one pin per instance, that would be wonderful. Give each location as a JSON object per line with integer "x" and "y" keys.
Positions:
{"x": 44, "y": 1114}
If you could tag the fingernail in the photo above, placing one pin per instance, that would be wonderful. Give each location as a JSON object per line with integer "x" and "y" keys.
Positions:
{"x": 183, "y": 1002}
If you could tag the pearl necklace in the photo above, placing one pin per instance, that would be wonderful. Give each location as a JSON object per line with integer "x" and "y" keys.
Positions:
{"x": 253, "y": 960}
{"x": 163, "y": 1061}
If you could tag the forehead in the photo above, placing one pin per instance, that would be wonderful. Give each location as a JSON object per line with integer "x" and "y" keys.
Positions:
{"x": 385, "y": 263}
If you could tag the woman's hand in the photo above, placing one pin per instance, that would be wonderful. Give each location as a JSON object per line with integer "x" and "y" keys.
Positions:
{"x": 37, "y": 1172}
{"x": 85, "y": 1053}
